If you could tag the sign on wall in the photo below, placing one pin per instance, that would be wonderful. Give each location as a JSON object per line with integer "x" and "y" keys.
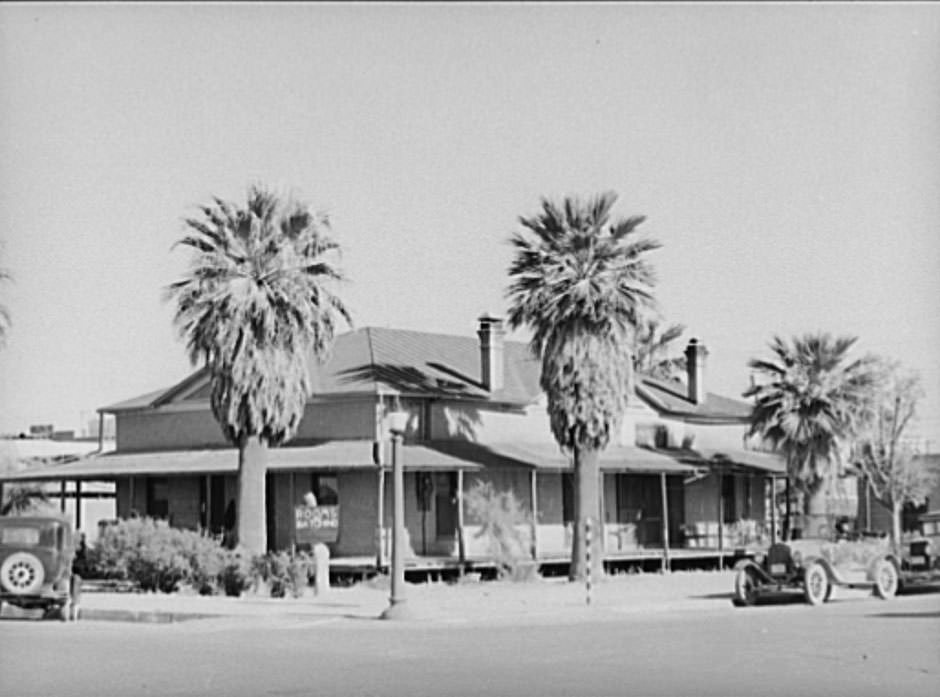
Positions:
{"x": 313, "y": 524}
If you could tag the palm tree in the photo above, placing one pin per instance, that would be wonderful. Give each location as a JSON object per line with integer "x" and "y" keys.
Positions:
{"x": 25, "y": 498}
{"x": 811, "y": 404}
{"x": 254, "y": 308}
{"x": 578, "y": 283}
{"x": 651, "y": 349}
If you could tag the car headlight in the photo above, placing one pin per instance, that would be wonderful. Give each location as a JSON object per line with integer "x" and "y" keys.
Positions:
{"x": 797, "y": 558}
{"x": 759, "y": 558}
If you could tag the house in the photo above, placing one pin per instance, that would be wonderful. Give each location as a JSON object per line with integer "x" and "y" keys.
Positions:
{"x": 677, "y": 478}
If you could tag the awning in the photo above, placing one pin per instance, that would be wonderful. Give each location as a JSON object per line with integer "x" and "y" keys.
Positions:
{"x": 614, "y": 458}
{"x": 768, "y": 463}
{"x": 340, "y": 455}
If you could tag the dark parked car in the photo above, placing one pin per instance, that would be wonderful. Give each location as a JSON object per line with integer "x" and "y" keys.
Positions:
{"x": 36, "y": 555}
{"x": 920, "y": 558}
{"x": 815, "y": 566}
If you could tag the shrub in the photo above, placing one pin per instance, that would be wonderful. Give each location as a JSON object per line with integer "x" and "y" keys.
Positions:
{"x": 500, "y": 514}
{"x": 284, "y": 573}
{"x": 160, "y": 558}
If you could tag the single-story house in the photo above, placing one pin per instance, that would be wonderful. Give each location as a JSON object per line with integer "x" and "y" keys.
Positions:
{"x": 678, "y": 476}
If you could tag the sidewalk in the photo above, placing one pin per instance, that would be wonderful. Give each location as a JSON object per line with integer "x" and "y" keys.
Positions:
{"x": 554, "y": 599}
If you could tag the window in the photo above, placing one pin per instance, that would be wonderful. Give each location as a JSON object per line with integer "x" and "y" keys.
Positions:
{"x": 325, "y": 488}
{"x": 728, "y": 498}
{"x": 158, "y": 497}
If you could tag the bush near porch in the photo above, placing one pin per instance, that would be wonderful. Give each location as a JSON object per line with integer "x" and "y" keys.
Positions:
{"x": 161, "y": 558}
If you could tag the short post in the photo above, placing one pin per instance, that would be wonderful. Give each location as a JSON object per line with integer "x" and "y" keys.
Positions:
{"x": 321, "y": 560}
{"x": 587, "y": 558}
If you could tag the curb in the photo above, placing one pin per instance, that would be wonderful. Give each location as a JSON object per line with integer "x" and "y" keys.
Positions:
{"x": 142, "y": 616}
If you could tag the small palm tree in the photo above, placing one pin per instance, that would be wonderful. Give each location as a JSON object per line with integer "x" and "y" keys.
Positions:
{"x": 22, "y": 499}
{"x": 578, "y": 282}
{"x": 813, "y": 401}
{"x": 254, "y": 308}
{"x": 651, "y": 349}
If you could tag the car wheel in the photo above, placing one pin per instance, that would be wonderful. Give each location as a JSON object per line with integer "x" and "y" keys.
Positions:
{"x": 815, "y": 583}
{"x": 886, "y": 579}
{"x": 745, "y": 588}
{"x": 21, "y": 574}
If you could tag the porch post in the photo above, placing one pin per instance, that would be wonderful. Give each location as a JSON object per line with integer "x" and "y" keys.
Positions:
{"x": 773, "y": 510}
{"x": 867, "y": 503}
{"x": 534, "y": 497}
{"x": 667, "y": 565}
{"x": 292, "y": 494}
{"x": 601, "y": 523}
{"x": 62, "y": 486}
{"x": 380, "y": 522}
{"x": 461, "y": 542}
{"x": 208, "y": 504}
{"x": 721, "y": 520}
{"x": 78, "y": 504}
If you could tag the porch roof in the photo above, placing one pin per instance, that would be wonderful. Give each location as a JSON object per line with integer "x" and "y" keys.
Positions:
{"x": 767, "y": 463}
{"x": 615, "y": 458}
{"x": 341, "y": 454}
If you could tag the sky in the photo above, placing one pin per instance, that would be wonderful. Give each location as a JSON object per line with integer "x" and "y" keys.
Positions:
{"x": 786, "y": 156}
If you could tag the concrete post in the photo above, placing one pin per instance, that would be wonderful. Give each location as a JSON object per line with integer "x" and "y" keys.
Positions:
{"x": 321, "y": 560}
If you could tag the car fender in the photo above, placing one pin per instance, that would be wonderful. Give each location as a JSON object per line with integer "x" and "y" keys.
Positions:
{"x": 754, "y": 568}
{"x": 831, "y": 572}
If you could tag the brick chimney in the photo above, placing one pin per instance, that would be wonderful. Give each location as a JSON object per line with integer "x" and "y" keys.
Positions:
{"x": 695, "y": 355}
{"x": 492, "y": 368}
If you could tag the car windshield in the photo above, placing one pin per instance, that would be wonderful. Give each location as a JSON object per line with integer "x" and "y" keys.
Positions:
{"x": 19, "y": 536}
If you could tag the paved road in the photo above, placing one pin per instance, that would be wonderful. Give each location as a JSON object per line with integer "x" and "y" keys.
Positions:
{"x": 856, "y": 646}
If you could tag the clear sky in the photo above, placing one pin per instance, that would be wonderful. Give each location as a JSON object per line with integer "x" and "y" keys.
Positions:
{"x": 787, "y": 157}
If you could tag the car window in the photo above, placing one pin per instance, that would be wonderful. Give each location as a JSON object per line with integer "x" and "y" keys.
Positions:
{"x": 19, "y": 536}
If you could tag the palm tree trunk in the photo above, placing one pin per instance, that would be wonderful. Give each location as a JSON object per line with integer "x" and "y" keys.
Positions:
{"x": 586, "y": 507}
{"x": 250, "y": 514}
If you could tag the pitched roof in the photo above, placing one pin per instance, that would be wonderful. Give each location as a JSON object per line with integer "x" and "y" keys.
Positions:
{"x": 376, "y": 360}
{"x": 672, "y": 398}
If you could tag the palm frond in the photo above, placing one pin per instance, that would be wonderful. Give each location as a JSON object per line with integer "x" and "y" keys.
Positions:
{"x": 257, "y": 300}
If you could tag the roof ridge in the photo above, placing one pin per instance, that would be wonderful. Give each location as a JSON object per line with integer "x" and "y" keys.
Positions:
{"x": 398, "y": 330}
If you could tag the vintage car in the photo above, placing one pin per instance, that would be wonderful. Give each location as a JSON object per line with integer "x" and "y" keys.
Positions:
{"x": 36, "y": 555}
{"x": 920, "y": 553}
{"x": 816, "y": 566}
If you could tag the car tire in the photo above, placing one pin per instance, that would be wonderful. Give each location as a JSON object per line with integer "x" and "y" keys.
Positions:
{"x": 815, "y": 583}
{"x": 886, "y": 579}
{"x": 21, "y": 574}
{"x": 745, "y": 588}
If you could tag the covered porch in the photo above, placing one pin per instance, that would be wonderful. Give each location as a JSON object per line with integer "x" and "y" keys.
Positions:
{"x": 656, "y": 504}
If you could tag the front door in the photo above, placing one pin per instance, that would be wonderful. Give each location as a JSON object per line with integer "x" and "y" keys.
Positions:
{"x": 445, "y": 506}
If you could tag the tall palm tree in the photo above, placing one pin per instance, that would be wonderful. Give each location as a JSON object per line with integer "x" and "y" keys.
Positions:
{"x": 578, "y": 282}
{"x": 255, "y": 307}
{"x": 809, "y": 406}
{"x": 651, "y": 349}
